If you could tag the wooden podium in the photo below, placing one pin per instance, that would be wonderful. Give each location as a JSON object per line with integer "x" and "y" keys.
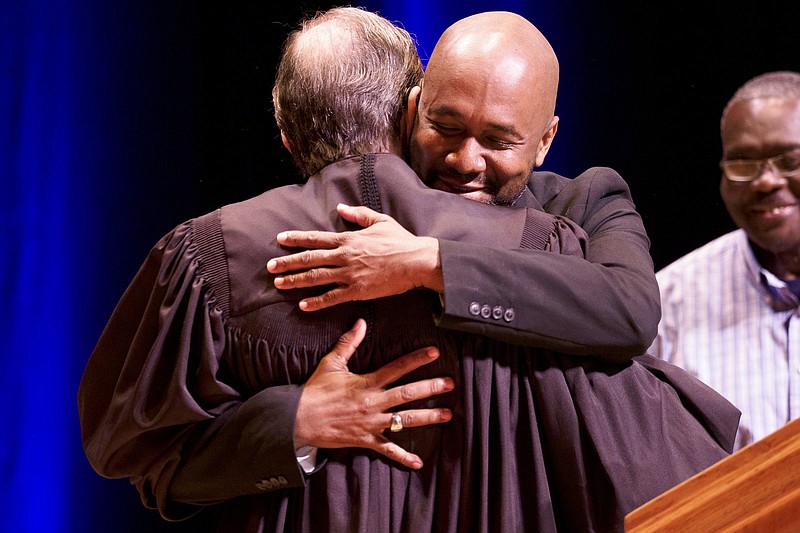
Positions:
{"x": 756, "y": 489}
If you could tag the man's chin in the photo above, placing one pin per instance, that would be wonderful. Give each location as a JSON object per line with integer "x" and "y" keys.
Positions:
{"x": 476, "y": 195}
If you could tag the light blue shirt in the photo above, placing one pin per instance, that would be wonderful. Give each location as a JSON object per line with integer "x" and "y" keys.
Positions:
{"x": 735, "y": 326}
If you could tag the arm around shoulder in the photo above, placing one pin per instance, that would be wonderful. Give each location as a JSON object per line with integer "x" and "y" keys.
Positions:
{"x": 604, "y": 303}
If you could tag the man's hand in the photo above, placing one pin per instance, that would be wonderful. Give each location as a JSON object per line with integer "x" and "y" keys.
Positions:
{"x": 340, "y": 409}
{"x": 381, "y": 260}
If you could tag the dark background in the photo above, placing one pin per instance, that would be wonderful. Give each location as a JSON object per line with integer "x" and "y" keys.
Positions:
{"x": 122, "y": 119}
{"x": 642, "y": 89}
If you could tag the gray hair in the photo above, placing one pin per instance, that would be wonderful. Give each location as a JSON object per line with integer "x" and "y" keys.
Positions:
{"x": 341, "y": 86}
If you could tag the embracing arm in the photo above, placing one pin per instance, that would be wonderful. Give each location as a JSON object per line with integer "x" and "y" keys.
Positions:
{"x": 604, "y": 304}
{"x": 158, "y": 406}
{"x": 598, "y": 297}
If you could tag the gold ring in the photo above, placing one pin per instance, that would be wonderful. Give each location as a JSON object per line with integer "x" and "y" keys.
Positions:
{"x": 397, "y": 423}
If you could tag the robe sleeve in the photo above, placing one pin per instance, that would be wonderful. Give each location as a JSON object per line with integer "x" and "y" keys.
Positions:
{"x": 154, "y": 403}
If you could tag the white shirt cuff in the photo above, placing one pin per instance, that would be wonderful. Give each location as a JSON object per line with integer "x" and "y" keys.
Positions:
{"x": 307, "y": 458}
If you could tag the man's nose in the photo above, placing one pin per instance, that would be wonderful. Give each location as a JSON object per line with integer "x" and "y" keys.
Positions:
{"x": 769, "y": 179}
{"x": 467, "y": 158}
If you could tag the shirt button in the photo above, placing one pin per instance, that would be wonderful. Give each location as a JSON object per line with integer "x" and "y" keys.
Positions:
{"x": 497, "y": 312}
{"x": 486, "y": 311}
{"x": 509, "y": 315}
{"x": 474, "y": 308}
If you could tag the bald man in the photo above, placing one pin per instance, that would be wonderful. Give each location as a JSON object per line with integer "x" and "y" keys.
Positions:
{"x": 487, "y": 112}
{"x": 486, "y": 119}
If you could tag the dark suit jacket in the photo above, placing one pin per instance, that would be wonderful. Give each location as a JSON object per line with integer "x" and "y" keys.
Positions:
{"x": 605, "y": 304}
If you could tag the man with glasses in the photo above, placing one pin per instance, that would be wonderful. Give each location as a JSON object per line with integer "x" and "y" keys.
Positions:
{"x": 730, "y": 308}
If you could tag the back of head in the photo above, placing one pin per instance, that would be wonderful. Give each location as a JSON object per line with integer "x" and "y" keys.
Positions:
{"x": 779, "y": 84}
{"x": 340, "y": 86}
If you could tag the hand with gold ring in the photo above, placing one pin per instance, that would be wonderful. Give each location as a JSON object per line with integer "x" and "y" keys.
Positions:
{"x": 356, "y": 409}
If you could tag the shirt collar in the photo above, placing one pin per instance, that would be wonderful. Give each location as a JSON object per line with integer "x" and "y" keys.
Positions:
{"x": 774, "y": 291}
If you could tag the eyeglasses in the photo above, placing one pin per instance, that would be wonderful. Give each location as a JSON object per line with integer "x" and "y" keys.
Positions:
{"x": 786, "y": 165}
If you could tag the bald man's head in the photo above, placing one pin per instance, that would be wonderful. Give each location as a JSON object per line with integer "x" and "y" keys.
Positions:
{"x": 486, "y": 113}
{"x": 499, "y": 43}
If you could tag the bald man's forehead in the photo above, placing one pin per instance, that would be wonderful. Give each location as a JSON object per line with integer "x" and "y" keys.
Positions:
{"x": 486, "y": 103}
{"x": 497, "y": 66}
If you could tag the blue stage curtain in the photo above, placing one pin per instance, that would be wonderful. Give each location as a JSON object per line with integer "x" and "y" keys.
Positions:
{"x": 40, "y": 136}
{"x": 38, "y": 181}
{"x": 73, "y": 110}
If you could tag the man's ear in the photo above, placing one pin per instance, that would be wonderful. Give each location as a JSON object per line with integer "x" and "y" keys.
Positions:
{"x": 408, "y": 116}
{"x": 285, "y": 142}
{"x": 547, "y": 140}
{"x": 295, "y": 156}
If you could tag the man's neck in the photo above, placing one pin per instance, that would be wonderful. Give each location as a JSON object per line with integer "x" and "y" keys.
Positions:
{"x": 785, "y": 265}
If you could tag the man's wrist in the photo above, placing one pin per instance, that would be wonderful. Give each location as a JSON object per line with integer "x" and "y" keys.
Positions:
{"x": 432, "y": 267}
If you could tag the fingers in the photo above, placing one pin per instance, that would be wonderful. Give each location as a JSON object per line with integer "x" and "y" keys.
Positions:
{"x": 394, "y": 370}
{"x": 410, "y": 419}
{"x": 396, "y": 453}
{"x": 346, "y": 345}
{"x": 409, "y": 392}
{"x": 302, "y": 261}
{"x": 414, "y": 418}
{"x": 329, "y": 299}
{"x": 356, "y": 409}
{"x": 363, "y": 216}
{"x": 320, "y": 242}
{"x": 418, "y": 390}
{"x": 316, "y": 277}
{"x": 309, "y": 239}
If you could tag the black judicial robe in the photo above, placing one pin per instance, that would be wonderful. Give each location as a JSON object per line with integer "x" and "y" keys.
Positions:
{"x": 192, "y": 389}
